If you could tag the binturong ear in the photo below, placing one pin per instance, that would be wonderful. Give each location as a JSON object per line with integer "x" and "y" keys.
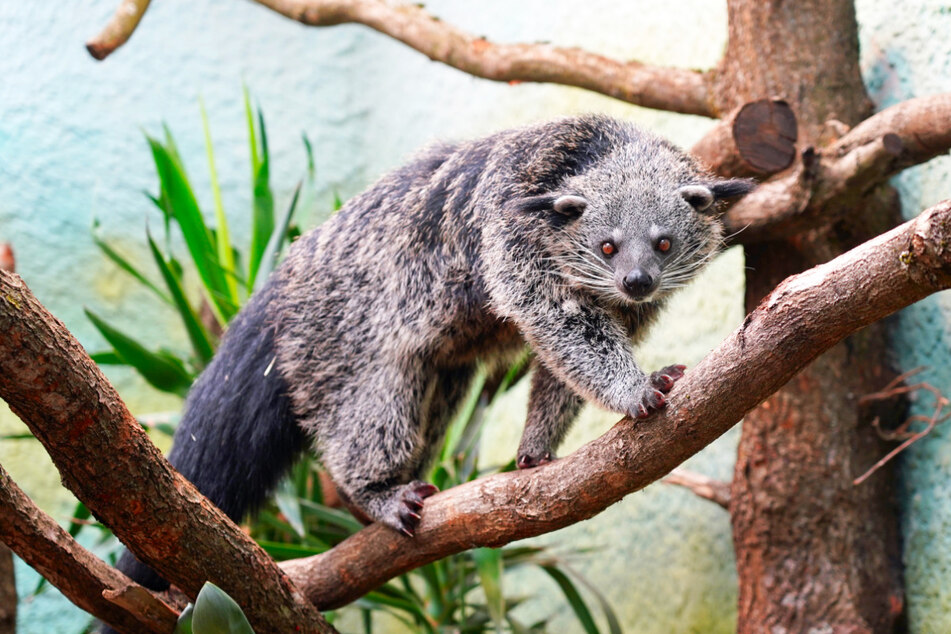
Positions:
{"x": 571, "y": 206}
{"x": 558, "y": 211}
{"x": 703, "y": 197}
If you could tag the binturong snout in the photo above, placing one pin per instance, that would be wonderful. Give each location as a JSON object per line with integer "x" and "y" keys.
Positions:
{"x": 638, "y": 283}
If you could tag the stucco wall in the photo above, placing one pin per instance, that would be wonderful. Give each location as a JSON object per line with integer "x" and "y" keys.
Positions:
{"x": 71, "y": 148}
{"x": 905, "y": 53}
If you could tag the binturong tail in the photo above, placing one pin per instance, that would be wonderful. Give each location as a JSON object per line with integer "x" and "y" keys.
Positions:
{"x": 237, "y": 437}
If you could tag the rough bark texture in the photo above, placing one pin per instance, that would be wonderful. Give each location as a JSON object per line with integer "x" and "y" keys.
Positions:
{"x": 829, "y": 184}
{"x": 8, "y": 592}
{"x": 55, "y": 388}
{"x": 82, "y": 577}
{"x": 813, "y": 551}
{"x": 806, "y": 315}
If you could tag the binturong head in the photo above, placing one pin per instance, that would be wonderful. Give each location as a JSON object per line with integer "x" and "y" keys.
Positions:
{"x": 639, "y": 224}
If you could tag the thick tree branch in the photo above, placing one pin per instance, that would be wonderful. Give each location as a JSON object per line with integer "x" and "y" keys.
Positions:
{"x": 824, "y": 186}
{"x": 83, "y": 578}
{"x": 105, "y": 457}
{"x": 663, "y": 88}
{"x": 119, "y": 29}
{"x": 804, "y": 316}
{"x": 758, "y": 138}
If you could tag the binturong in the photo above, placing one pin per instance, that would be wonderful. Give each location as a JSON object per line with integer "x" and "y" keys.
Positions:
{"x": 566, "y": 236}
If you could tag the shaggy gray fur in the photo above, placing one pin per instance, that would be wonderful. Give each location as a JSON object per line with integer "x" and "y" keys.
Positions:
{"x": 462, "y": 257}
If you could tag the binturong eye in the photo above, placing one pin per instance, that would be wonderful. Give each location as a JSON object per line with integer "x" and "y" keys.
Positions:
{"x": 663, "y": 245}
{"x": 608, "y": 248}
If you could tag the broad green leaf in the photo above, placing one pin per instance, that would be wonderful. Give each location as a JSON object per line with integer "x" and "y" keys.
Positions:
{"x": 574, "y": 598}
{"x": 489, "y": 567}
{"x": 184, "y": 623}
{"x": 187, "y": 214}
{"x": 197, "y": 334}
{"x": 162, "y": 370}
{"x": 217, "y": 613}
{"x": 125, "y": 265}
{"x": 222, "y": 237}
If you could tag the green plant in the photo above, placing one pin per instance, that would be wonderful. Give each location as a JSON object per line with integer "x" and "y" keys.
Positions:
{"x": 227, "y": 274}
{"x": 461, "y": 593}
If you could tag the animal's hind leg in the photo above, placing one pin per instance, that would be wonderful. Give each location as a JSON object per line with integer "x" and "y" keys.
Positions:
{"x": 373, "y": 445}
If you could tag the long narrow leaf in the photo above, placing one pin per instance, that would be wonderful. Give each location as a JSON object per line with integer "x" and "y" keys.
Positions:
{"x": 489, "y": 568}
{"x": 185, "y": 209}
{"x": 197, "y": 334}
{"x": 263, "y": 221}
{"x": 125, "y": 265}
{"x": 160, "y": 369}
{"x": 276, "y": 243}
{"x": 222, "y": 236}
{"x": 574, "y": 599}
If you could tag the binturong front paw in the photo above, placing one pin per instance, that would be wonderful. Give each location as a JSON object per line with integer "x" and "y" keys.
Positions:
{"x": 654, "y": 395}
{"x": 404, "y": 511}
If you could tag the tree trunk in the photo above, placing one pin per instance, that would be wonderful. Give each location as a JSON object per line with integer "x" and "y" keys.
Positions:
{"x": 814, "y": 552}
{"x": 8, "y": 592}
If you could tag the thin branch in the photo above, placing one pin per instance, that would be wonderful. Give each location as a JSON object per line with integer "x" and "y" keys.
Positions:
{"x": 826, "y": 185}
{"x": 82, "y": 576}
{"x": 700, "y": 485}
{"x": 106, "y": 458}
{"x": 893, "y": 389}
{"x": 663, "y": 88}
{"x": 803, "y": 317}
{"x": 119, "y": 28}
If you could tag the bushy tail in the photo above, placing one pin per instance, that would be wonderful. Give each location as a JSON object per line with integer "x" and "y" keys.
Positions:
{"x": 237, "y": 437}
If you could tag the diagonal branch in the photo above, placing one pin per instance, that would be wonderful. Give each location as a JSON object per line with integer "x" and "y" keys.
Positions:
{"x": 700, "y": 485}
{"x": 83, "y": 577}
{"x": 119, "y": 28}
{"x": 663, "y": 88}
{"x": 803, "y": 317}
{"x": 824, "y": 186}
{"x": 106, "y": 458}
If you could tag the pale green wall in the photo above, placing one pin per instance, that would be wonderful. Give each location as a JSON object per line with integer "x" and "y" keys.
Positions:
{"x": 71, "y": 148}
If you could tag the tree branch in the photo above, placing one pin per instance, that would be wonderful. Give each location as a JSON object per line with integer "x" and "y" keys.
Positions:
{"x": 663, "y": 88}
{"x": 824, "y": 186}
{"x": 82, "y": 576}
{"x": 803, "y": 317}
{"x": 700, "y": 485}
{"x": 119, "y": 29}
{"x": 105, "y": 458}
{"x": 758, "y": 138}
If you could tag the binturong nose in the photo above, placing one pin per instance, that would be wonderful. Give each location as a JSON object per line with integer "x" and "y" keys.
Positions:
{"x": 638, "y": 283}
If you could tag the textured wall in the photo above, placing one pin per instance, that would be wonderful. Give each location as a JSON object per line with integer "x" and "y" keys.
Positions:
{"x": 905, "y": 53}
{"x": 71, "y": 148}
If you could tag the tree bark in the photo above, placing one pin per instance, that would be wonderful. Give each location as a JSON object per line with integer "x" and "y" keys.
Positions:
{"x": 106, "y": 458}
{"x": 85, "y": 579}
{"x": 813, "y": 551}
{"x": 8, "y": 592}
